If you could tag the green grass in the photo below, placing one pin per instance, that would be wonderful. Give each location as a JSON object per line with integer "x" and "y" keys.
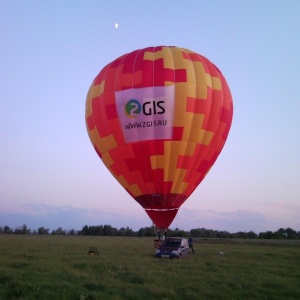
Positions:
{"x": 58, "y": 267}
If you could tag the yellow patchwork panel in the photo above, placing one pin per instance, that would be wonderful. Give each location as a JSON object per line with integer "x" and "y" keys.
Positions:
{"x": 107, "y": 160}
{"x": 103, "y": 144}
{"x": 133, "y": 189}
{"x": 165, "y": 54}
{"x": 97, "y": 90}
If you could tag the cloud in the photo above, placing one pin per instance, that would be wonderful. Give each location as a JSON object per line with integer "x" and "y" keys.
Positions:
{"x": 286, "y": 206}
{"x": 283, "y": 214}
{"x": 68, "y": 217}
{"x": 231, "y": 221}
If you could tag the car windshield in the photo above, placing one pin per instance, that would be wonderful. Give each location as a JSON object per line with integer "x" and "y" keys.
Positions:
{"x": 172, "y": 243}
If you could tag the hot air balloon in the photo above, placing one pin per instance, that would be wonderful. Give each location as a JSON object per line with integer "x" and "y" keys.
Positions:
{"x": 158, "y": 118}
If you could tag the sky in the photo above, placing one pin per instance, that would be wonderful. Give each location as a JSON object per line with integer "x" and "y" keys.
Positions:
{"x": 50, "y": 52}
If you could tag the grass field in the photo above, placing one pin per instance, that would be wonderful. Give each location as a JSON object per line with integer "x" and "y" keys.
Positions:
{"x": 58, "y": 267}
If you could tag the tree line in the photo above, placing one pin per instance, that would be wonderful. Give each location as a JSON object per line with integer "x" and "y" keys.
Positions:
{"x": 108, "y": 230}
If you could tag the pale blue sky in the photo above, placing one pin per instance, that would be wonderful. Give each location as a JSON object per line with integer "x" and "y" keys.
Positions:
{"x": 51, "y": 51}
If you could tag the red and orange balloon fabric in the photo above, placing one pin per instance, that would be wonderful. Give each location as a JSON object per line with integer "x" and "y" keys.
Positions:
{"x": 158, "y": 118}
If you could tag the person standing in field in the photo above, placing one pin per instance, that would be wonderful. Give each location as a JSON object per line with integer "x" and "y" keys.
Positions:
{"x": 191, "y": 244}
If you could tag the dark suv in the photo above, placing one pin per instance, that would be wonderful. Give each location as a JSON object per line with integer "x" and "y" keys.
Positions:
{"x": 173, "y": 247}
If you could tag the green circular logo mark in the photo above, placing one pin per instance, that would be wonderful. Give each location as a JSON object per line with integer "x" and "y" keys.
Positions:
{"x": 133, "y": 108}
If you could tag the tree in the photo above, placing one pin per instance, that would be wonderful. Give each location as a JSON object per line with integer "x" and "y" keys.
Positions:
{"x": 43, "y": 230}
{"x": 125, "y": 231}
{"x": 251, "y": 235}
{"x": 266, "y": 235}
{"x": 146, "y": 231}
{"x": 59, "y": 231}
{"x": 177, "y": 232}
{"x": 85, "y": 230}
{"x": 280, "y": 234}
{"x": 25, "y": 230}
{"x": 7, "y": 229}
{"x": 291, "y": 233}
{"x": 22, "y": 230}
{"x": 109, "y": 230}
{"x": 72, "y": 232}
{"x": 129, "y": 232}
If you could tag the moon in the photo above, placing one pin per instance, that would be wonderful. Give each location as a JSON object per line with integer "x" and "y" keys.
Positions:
{"x": 116, "y": 25}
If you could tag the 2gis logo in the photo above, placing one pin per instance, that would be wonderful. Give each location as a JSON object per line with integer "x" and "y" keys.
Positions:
{"x": 133, "y": 108}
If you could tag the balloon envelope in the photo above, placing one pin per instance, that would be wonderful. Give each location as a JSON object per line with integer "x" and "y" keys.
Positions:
{"x": 158, "y": 118}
